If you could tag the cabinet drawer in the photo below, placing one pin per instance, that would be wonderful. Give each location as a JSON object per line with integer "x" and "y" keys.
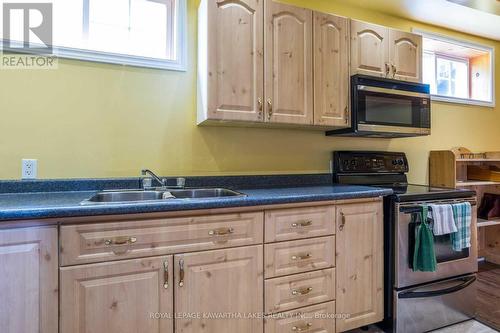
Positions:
{"x": 295, "y": 291}
{"x": 299, "y": 256}
{"x": 87, "y": 243}
{"x": 297, "y": 223}
{"x": 317, "y": 318}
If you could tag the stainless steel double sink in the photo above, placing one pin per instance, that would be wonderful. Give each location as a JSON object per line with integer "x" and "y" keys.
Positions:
{"x": 129, "y": 196}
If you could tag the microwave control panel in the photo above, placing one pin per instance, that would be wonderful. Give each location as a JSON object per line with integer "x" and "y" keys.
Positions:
{"x": 369, "y": 162}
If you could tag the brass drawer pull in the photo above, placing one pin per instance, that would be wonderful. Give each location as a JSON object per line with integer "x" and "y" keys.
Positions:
{"x": 302, "y": 224}
{"x": 259, "y": 101}
{"x": 221, "y": 232}
{"x": 165, "y": 274}
{"x": 387, "y": 69}
{"x": 181, "y": 273}
{"x": 394, "y": 70}
{"x": 302, "y": 256}
{"x": 302, "y": 291}
{"x": 120, "y": 241}
{"x": 302, "y": 328}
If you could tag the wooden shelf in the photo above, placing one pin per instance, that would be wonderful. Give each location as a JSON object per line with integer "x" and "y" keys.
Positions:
{"x": 476, "y": 183}
{"x": 487, "y": 223}
{"x": 478, "y": 160}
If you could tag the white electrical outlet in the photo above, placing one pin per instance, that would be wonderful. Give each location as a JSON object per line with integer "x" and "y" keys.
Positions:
{"x": 29, "y": 169}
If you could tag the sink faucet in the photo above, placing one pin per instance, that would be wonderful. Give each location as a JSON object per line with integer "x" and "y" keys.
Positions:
{"x": 162, "y": 181}
{"x": 146, "y": 183}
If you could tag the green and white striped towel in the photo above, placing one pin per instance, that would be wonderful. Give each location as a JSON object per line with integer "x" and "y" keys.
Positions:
{"x": 462, "y": 213}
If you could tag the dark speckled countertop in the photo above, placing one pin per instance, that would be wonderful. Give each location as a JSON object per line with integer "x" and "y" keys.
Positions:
{"x": 18, "y": 205}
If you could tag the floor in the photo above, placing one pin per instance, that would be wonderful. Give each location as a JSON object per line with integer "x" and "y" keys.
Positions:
{"x": 470, "y": 326}
{"x": 488, "y": 292}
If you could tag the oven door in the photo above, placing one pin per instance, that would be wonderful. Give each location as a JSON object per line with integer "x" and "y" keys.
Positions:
{"x": 449, "y": 262}
{"x": 384, "y": 110}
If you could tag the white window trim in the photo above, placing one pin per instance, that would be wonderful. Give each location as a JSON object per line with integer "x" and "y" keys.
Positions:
{"x": 486, "y": 48}
{"x": 180, "y": 64}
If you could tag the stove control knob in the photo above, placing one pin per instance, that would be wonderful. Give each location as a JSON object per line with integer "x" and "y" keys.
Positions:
{"x": 400, "y": 162}
{"x": 394, "y": 162}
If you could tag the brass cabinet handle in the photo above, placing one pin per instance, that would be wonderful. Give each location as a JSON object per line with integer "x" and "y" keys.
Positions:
{"x": 302, "y": 328}
{"x": 346, "y": 112}
{"x": 259, "y": 101}
{"x": 302, "y": 291}
{"x": 302, "y": 256}
{"x": 342, "y": 221}
{"x": 181, "y": 273}
{"x": 270, "y": 109}
{"x": 120, "y": 241}
{"x": 394, "y": 70}
{"x": 221, "y": 232}
{"x": 165, "y": 274}
{"x": 387, "y": 69}
{"x": 302, "y": 224}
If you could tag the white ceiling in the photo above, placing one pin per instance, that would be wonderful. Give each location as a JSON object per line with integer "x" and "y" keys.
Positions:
{"x": 442, "y": 13}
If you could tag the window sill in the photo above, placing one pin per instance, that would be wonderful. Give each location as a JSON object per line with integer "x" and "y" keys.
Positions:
{"x": 106, "y": 57}
{"x": 119, "y": 59}
{"x": 455, "y": 100}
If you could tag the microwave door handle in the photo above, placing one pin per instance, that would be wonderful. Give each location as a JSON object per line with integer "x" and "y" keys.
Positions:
{"x": 433, "y": 293}
{"x": 392, "y": 91}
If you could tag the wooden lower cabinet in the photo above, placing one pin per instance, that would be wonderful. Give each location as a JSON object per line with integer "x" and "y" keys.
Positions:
{"x": 223, "y": 283}
{"x": 319, "y": 280}
{"x": 128, "y": 296}
{"x": 359, "y": 265}
{"x": 28, "y": 280}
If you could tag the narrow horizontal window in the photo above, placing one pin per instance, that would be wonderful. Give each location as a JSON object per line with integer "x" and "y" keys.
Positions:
{"x": 458, "y": 71}
{"x": 148, "y": 33}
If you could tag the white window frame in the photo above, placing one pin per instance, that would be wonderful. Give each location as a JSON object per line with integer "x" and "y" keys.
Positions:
{"x": 486, "y": 48}
{"x": 180, "y": 48}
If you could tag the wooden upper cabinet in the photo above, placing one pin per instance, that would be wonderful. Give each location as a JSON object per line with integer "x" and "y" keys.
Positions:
{"x": 360, "y": 267}
{"x": 331, "y": 70}
{"x": 369, "y": 49}
{"x": 231, "y": 60}
{"x": 126, "y": 296}
{"x": 28, "y": 280}
{"x": 219, "y": 282}
{"x": 288, "y": 64}
{"x": 406, "y": 55}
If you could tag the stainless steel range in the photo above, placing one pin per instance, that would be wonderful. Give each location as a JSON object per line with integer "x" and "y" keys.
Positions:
{"x": 415, "y": 301}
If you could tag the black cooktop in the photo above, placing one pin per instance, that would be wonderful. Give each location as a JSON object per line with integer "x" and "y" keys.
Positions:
{"x": 412, "y": 192}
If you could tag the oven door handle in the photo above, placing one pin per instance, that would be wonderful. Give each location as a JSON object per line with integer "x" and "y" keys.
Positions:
{"x": 418, "y": 209}
{"x": 432, "y": 293}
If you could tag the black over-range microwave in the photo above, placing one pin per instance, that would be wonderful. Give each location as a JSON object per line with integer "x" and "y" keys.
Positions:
{"x": 387, "y": 108}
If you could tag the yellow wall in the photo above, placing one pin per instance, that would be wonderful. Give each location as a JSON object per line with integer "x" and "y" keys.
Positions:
{"x": 98, "y": 120}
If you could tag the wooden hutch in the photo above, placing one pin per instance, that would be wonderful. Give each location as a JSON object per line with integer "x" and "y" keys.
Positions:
{"x": 457, "y": 168}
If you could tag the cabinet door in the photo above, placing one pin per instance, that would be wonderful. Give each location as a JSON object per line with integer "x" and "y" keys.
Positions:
{"x": 234, "y": 50}
{"x": 28, "y": 280}
{"x": 331, "y": 70}
{"x": 360, "y": 265}
{"x": 406, "y": 55}
{"x": 369, "y": 49}
{"x": 288, "y": 64}
{"x": 126, "y": 296}
{"x": 227, "y": 283}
